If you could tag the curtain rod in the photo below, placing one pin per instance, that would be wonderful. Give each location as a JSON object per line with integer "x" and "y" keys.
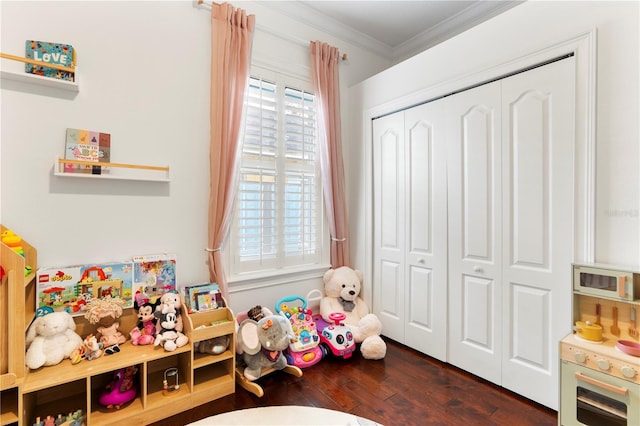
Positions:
{"x": 296, "y": 40}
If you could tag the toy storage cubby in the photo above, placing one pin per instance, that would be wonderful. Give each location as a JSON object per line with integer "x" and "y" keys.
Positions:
{"x": 211, "y": 372}
{"x": 64, "y": 388}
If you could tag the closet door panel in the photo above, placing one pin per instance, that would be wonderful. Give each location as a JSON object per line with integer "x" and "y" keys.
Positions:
{"x": 389, "y": 241}
{"x": 529, "y": 168}
{"x": 474, "y": 145}
{"x": 426, "y": 217}
{"x": 538, "y": 146}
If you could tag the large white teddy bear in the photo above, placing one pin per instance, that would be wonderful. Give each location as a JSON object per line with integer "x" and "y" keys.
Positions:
{"x": 342, "y": 294}
{"x": 50, "y": 339}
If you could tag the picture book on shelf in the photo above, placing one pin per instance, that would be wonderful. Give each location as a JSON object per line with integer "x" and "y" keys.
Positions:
{"x": 52, "y": 53}
{"x": 153, "y": 275}
{"x": 86, "y": 145}
{"x": 202, "y": 297}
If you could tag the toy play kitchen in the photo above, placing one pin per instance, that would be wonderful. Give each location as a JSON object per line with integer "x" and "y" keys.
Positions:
{"x": 600, "y": 360}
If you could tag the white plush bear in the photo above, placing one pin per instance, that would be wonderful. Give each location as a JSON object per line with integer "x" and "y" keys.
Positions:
{"x": 342, "y": 294}
{"x": 50, "y": 339}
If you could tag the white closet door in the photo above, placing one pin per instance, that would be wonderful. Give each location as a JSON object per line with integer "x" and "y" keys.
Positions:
{"x": 538, "y": 145}
{"x": 475, "y": 313}
{"x": 425, "y": 222}
{"x": 389, "y": 240}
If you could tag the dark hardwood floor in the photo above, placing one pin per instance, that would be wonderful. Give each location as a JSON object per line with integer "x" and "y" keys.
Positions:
{"x": 406, "y": 388}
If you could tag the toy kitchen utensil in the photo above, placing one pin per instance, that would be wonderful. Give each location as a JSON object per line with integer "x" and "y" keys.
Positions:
{"x": 589, "y": 331}
{"x": 629, "y": 347}
{"x": 615, "y": 330}
{"x": 633, "y": 331}
{"x": 598, "y": 313}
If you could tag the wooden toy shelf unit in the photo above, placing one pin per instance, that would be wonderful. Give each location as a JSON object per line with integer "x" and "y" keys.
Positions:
{"x": 64, "y": 388}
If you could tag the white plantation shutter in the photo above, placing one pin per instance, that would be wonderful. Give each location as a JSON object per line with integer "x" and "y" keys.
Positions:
{"x": 278, "y": 216}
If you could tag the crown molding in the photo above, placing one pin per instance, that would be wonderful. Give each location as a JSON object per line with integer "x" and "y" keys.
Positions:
{"x": 458, "y": 23}
{"x": 325, "y": 23}
{"x": 476, "y": 13}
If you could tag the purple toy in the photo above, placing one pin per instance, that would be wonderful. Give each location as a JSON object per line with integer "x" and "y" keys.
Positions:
{"x": 121, "y": 390}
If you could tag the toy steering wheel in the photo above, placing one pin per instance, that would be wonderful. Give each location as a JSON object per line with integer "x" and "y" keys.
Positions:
{"x": 336, "y": 317}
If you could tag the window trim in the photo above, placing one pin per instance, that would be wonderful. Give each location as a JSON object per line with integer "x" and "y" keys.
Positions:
{"x": 280, "y": 275}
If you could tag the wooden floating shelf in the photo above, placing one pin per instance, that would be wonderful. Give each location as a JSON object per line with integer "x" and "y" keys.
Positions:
{"x": 145, "y": 173}
{"x": 23, "y": 77}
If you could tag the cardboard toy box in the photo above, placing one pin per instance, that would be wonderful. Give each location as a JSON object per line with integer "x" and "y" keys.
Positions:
{"x": 70, "y": 288}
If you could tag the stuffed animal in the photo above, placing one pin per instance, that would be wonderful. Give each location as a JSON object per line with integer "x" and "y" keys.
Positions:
{"x": 169, "y": 302}
{"x": 262, "y": 343}
{"x": 342, "y": 294}
{"x": 50, "y": 339}
{"x": 170, "y": 335}
{"x": 169, "y": 326}
{"x": 92, "y": 349}
{"x": 145, "y": 331}
{"x": 214, "y": 346}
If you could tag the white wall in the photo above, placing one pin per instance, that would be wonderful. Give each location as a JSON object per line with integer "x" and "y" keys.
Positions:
{"x": 522, "y": 30}
{"x": 143, "y": 70}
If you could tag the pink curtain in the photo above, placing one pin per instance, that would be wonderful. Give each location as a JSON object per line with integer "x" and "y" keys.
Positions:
{"x": 324, "y": 64}
{"x": 231, "y": 41}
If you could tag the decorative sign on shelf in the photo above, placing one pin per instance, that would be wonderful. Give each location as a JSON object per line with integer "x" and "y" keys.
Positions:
{"x": 53, "y": 53}
{"x": 86, "y": 145}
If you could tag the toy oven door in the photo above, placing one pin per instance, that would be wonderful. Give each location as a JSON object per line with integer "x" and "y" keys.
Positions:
{"x": 592, "y": 398}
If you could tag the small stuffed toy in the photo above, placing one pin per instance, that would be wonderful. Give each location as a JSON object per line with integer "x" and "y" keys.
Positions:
{"x": 342, "y": 294}
{"x": 262, "y": 343}
{"x": 91, "y": 347}
{"x": 50, "y": 339}
{"x": 145, "y": 331}
{"x": 169, "y": 327}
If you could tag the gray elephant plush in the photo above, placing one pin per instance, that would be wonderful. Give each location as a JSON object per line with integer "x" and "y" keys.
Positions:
{"x": 262, "y": 344}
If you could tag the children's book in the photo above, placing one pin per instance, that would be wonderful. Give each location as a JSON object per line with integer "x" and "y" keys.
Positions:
{"x": 202, "y": 297}
{"x": 153, "y": 275}
{"x": 53, "y": 53}
{"x": 86, "y": 145}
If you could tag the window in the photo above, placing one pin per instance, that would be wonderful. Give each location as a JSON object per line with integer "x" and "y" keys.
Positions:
{"x": 279, "y": 214}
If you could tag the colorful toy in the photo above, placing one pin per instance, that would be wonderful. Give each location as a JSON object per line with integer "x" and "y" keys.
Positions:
{"x": 145, "y": 331}
{"x": 72, "y": 419}
{"x": 104, "y": 312}
{"x": 342, "y": 288}
{"x": 50, "y": 339}
{"x": 13, "y": 241}
{"x": 121, "y": 389}
{"x": 92, "y": 349}
{"x": 336, "y": 338}
{"x": 305, "y": 351}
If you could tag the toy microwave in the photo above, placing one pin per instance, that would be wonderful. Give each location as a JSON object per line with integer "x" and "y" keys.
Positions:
{"x": 606, "y": 281}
